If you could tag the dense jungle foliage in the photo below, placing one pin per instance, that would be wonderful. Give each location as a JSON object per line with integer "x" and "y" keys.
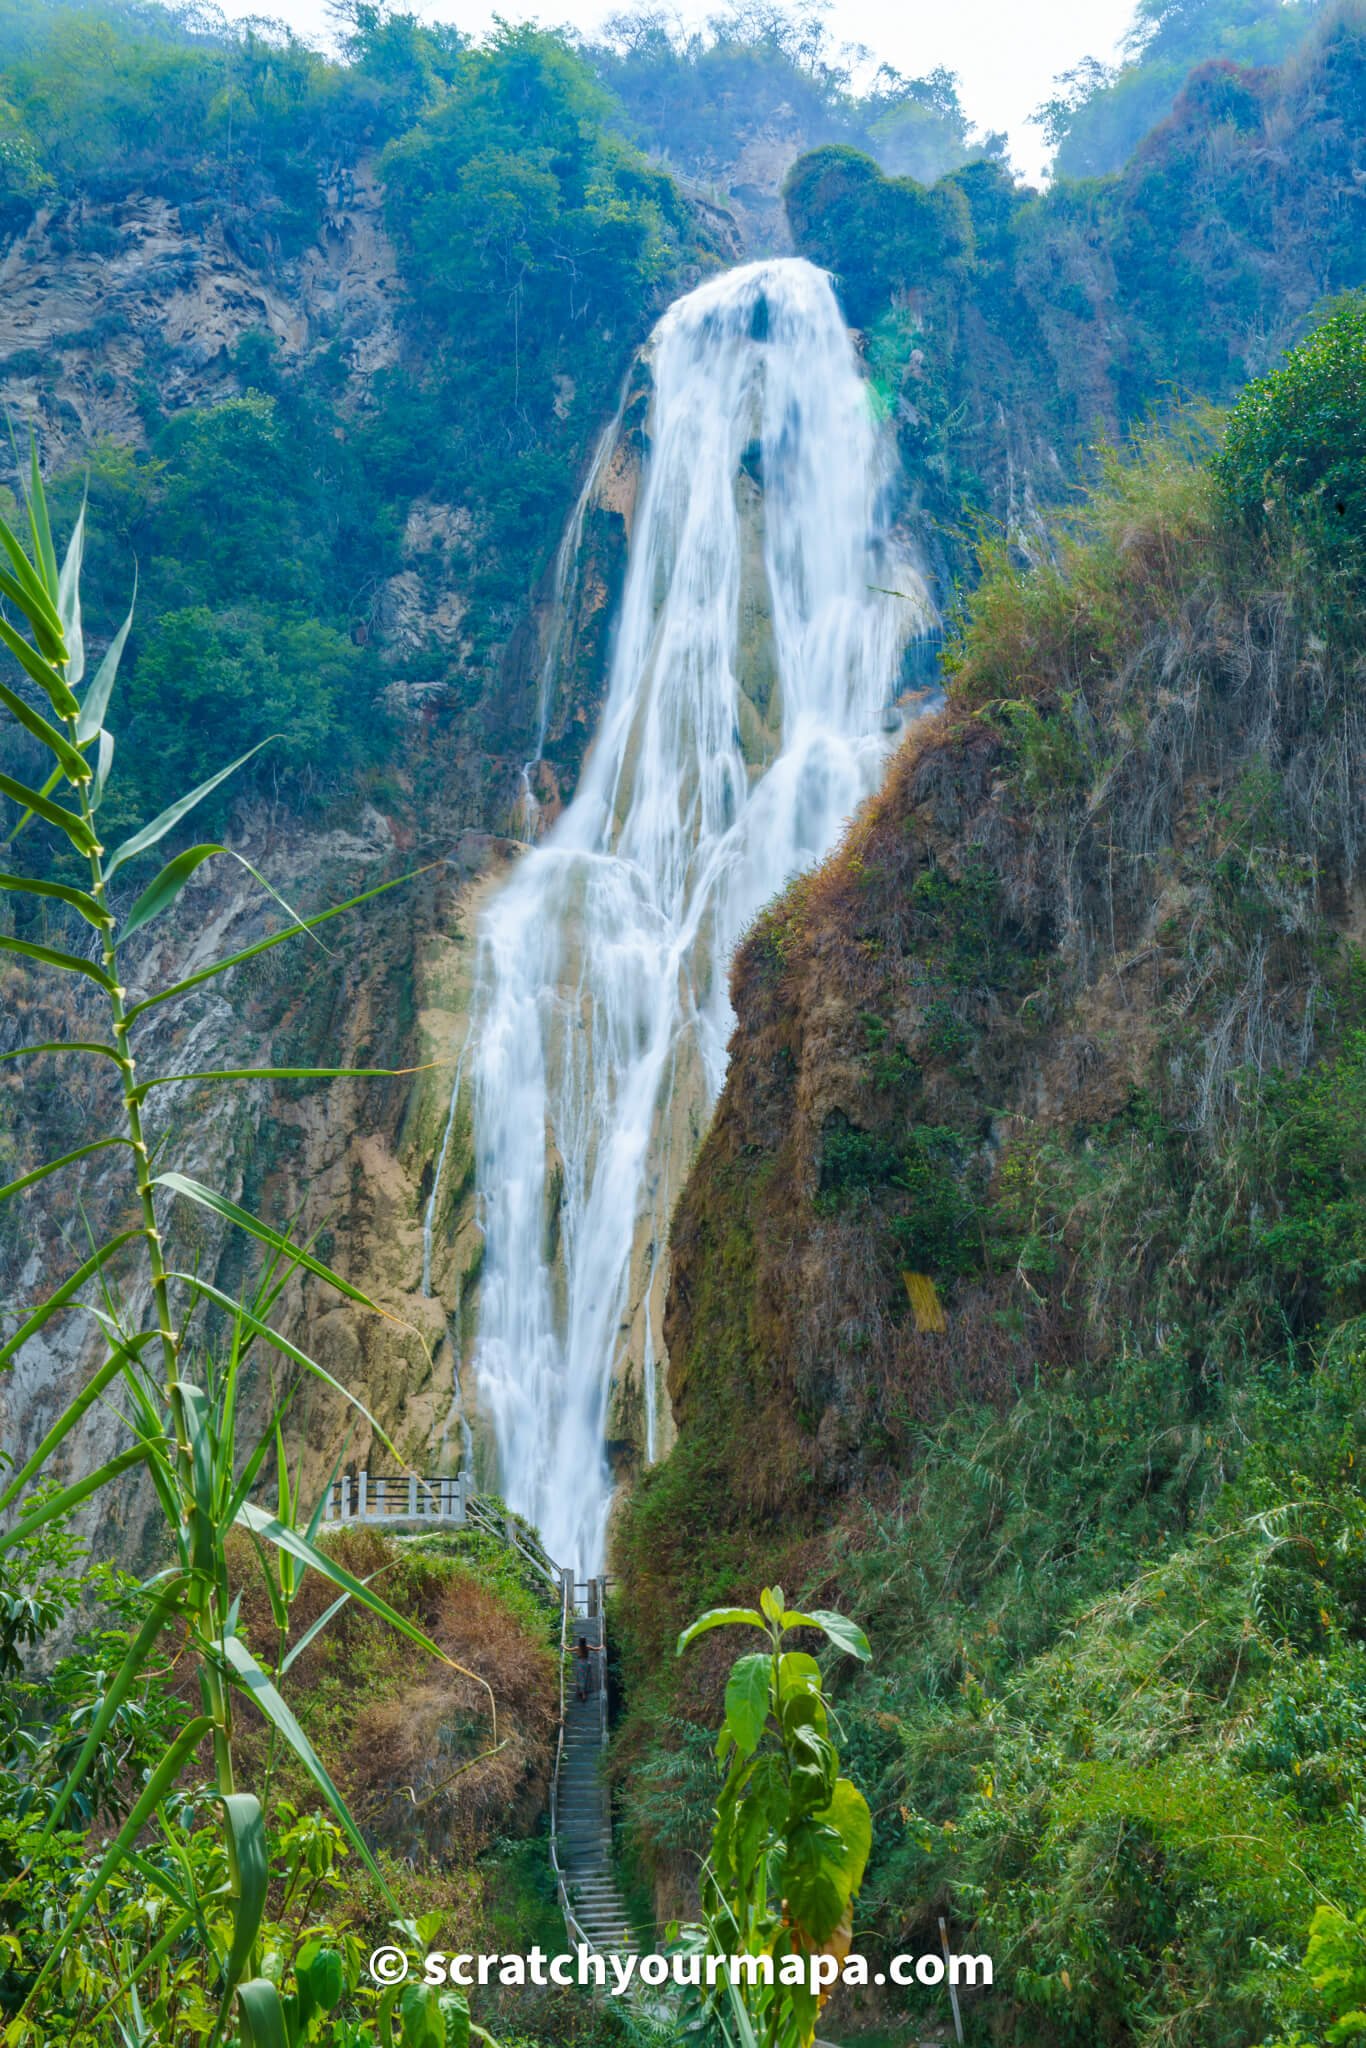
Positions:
{"x": 1072, "y": 1035}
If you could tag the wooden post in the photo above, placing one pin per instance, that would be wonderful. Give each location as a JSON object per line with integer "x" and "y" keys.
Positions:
{"x": 362, "y": 1484}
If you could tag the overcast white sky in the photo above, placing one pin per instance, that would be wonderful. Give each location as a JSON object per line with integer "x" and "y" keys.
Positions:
{"x": 1006, "y": 54}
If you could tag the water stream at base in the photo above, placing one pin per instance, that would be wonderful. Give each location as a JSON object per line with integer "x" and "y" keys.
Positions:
{"x": 601, "y": 971}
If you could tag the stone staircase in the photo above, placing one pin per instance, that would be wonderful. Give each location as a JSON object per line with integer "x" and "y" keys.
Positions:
{"x": 583, "y": 1816}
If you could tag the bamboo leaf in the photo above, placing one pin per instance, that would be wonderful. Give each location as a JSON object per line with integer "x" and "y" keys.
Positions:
{"x": 41, "y": 1315}
{"x": 162, "y": 893}
{"x": 159, "y": 1618}
{"x": 69, "y": 1417}
{"x": 48, "y": 677}
{"x": 74, "y": 766}
{"x": 285, "y": 1348}
{"x": 251, "y": 1679}
{"x": 52, "y": 956}
{"x": 314, "y": 1629}
{"x": 24, "y": 590}
{"x": 69, "y": 597}
{"x": 155, "y": 1790}
{"x": 148, "y": 836}
{"x": 181, "y": 988}
{"x": 16, "y": 1187}
{"x": 247, "y": 1829}
{"x": 296, "y": 1544}
{"x": 69, "y": 1497}
{"x": 219, "y": 1205}
{"x": 67, "y": 1045}
{"x": 144, "y": 1088}
{"x": 79, "y": 899}
{"x": 31, "y": 800}
{"x": 104, "y": 761}
{"x": 95, "y": 702}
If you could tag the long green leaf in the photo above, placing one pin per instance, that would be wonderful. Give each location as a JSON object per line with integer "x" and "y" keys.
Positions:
{"x": 71, "y": 1496}
{"x": 307, "y": 924}
{"x": 158, "y": 1785}
{"x": 55, "y": 1165}
{"x": 40, "y": 1315}
{"x": 314, "y": 1629}
{"x": 162, "y": 1612}
{"x": 67, "y": 1045}
{"x": 262, "y": 2014}
{"x": 69, "y": 1417}
{"x": 252, "y": 1680}
{"x": 24, "y": 590}
{"x": 219, "y": 1205}
{"x": 74, "y": 766}
{"x": 76, "y": 829}
{"x": 163, "y": 892}
{"x": 247, "y": 1828}
{"x": 52, "y": 956}
{"x": 95, "y": 702}
{"x": 144, "y": 1088}
{"x": 272, "y": 1530}
{"x": 149, "y": 835}
{"x": 48, "y": 678}
{"x": 261, "y": 1329}
{"x": 79, "y": 899}
{"x": 69, "y": 600}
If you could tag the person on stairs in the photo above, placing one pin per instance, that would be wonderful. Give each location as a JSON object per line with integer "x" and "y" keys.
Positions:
{"x": 583, "y": 1669}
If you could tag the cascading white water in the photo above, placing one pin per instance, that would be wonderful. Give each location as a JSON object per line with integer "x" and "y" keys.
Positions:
{"x": 601, "y": 972}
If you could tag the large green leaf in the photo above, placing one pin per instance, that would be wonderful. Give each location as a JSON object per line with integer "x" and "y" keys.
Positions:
{"x": 308, "y": 924}
{"x": 74, "y": 766}
{"x": 95, "y": 702}
{"x": 143, "y": 840}
{"x": 747, "y": 1696}
{"x": 79, "y": 899}
{"x": 262, "y": 2014}
{"x": 36, "y": 1320}
{"x": 719, "y": 1617}
{"x": 293, "y": 1541}
{"x": 161, "y": 894}
{"x": 251, "y": 1855}
{"x": 55, "y": 1505}
{"x": 846, "y": 1635}
{"x": 262, "y": 1329}
{"x": 252, "y": 1680}
{"x": 164, "y": 1607}
{"x": 42, "y": 671}
{"x": 219, "y": 1205}
{"x": 52, "y": 956}
{"x": 66, "y": 1045}
{"x": 27, "y": 1180}
{"x": 144, "y": 1088}
{"x": 75, "y": 828}
{"x": 28, "y": 593}
{"x": 70, "y": 1416}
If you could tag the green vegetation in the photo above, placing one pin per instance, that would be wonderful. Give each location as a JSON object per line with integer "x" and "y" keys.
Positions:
{"x": 1073, "y": 1027}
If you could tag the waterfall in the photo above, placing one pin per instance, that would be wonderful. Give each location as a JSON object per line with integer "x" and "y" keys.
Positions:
{"x": 756, "y": 655}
